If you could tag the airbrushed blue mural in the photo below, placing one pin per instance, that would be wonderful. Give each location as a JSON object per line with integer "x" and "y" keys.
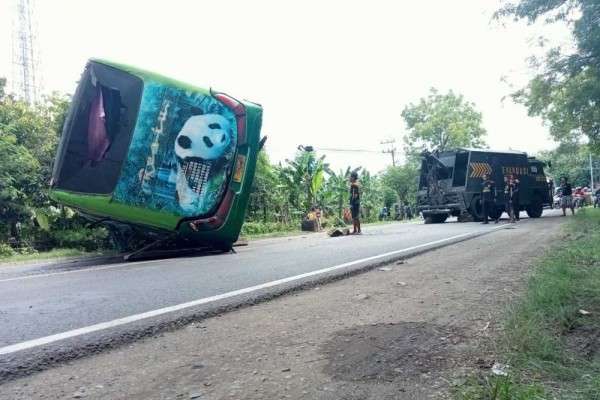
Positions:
{"x": 181, "y": 153}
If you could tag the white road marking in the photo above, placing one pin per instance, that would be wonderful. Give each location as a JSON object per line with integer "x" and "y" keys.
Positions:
{"x": 162, "y": 311}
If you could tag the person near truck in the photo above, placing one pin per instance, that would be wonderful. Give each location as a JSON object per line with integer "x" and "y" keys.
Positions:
{"x": 516, "y": 204}
{"x": 507, "y": 196}
{"x": 488, "y": 198}
{"x": 355, "y": 202}
{"x": 566, "y": 196}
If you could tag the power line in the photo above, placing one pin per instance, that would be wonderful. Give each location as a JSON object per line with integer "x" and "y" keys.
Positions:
{"x": 346, "y": 150}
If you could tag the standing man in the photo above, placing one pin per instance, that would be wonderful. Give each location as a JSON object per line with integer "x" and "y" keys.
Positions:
{"x": 566, "y": 196}
{"x": 488, "y": 197}
{"x": 355, "y": 202}
{"x": 514, "y": 183}
{"x": 508, "y": 207}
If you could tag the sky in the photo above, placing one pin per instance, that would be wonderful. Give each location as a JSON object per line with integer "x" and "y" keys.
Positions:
{"x": 329, "y": 74}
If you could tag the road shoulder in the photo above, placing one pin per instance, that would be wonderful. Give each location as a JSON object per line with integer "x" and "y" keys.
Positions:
{"x": 407, "y": 330}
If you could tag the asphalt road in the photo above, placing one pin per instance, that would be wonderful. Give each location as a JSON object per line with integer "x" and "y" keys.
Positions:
{"x": 48, "y": 301}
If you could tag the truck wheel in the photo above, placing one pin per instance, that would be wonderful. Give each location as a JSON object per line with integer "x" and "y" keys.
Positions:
{"x": 435, "y": 218}
{"x": 536, "y": 208}
{"x": 476, "y": 209}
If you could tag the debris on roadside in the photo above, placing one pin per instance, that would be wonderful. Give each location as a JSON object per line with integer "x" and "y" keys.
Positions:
{"x": 500, "y": 369}
{"x": 584, "y": 312}
{"x": 363, "y": 296}
{"x": 339, "y": 232}
{"x": 401, "y": 283}
{"x": 384, "y": 269}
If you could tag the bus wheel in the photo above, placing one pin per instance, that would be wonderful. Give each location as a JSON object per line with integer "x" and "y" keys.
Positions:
{"x": 536, "y": 208}
{"x": 476, "y": 208}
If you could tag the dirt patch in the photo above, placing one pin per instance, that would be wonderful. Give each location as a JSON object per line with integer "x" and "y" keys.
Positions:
{"x": 384, "y": 352}
{"x": 584, "y": 341}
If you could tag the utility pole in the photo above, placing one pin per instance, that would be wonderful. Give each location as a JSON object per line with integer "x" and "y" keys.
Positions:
{"x": 390, "y": 150}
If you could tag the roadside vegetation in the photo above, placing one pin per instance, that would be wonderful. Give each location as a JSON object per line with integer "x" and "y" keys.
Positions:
{"x": 551, "y": 336}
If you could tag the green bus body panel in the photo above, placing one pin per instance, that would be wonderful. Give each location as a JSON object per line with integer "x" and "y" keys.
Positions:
{"x": 149, "y": 75}
{"x": 103, "y": 206}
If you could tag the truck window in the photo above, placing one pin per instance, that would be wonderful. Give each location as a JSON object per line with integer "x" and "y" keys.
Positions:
{"x": 423, "y": 178}
{"x": 536, "y": 169}
{"x": 460, "y": 169}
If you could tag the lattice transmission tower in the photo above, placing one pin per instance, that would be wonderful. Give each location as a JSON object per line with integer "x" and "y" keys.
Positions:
{"x": 26, "y": 79}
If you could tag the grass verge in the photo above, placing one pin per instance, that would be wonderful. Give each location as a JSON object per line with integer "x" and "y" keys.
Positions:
{"x": 551, "y": 337}
{"x": 46, "y": 255}
{"x": 295, "y": 231}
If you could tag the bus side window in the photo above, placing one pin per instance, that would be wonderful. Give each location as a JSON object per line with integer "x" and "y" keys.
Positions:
{"x": 460, "y": 169}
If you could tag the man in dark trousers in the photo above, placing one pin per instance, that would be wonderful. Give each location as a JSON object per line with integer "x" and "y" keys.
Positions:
{"x": 514, "y": 183}
{"x": 507, "y": 197}
{"x": 355, "y": 202}
{"x": 488, "y": 198}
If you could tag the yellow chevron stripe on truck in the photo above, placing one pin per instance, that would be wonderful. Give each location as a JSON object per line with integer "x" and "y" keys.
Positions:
{"x": 479, "y": 169}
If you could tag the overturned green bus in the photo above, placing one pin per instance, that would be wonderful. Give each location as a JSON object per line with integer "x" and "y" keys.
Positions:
{"x": 143, "y": 150}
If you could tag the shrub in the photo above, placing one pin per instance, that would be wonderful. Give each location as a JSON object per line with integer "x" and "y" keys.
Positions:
{"x": 6, "y": 250}
{"x": 333, "y": 222}
{"x": 260, "y": 228}
{"x": 81, "y": 238}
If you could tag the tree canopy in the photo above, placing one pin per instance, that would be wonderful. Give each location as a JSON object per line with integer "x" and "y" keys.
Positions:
{"x": 571, "y": 161}
{"x": 442, "y": 121}
{"x": 565, "y": 92}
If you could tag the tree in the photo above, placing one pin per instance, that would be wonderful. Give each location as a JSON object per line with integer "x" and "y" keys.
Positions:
{"x": 304, "y": 176}
{"x": 2, "y": 88}
{"x": 336, "y": 190}
{"x": 571, "y": 161}
{"x": 19, "y": 182}
{"x": 403, "y": 181}
{"x": 28, "y": 139}
{"x": 442, "y": 121}
{"x": 565, "y": 92}
{"x": 371, "y": 195}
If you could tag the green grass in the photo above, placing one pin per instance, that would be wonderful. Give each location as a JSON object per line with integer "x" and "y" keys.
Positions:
{"x": 553, "y": 350}
{"x": 252, "y": 234}
{"x": 46, "y": 255}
